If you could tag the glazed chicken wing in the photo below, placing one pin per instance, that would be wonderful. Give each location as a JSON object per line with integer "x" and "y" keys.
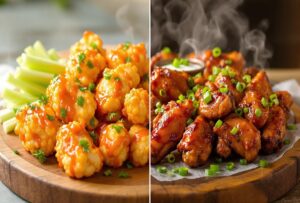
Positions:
{"x": 196, "y": 143}
{"x": 260, "y": 84}
{"x": 168, "y": 128}
{"x": 285, "y": 100}
{"x": 240, "y": 135}
{"x": 274, "y": 131}
{"x": 167, "y": 85}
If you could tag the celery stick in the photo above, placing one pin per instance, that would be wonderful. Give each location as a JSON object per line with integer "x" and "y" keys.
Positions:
{"x": 53, "y": 54}
{"x": 6, "y": 114}
{"x": 33, "y": 76}
{"x": 41, "y": 64}
{"x": 27, "y": 87}
{"x": 9, "y": 125}
{"x": 40, "y": 50}
{"x": 17, "y": 97}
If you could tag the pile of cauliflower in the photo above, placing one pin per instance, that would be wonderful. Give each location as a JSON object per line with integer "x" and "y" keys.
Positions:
{"x": 95, "y": 113}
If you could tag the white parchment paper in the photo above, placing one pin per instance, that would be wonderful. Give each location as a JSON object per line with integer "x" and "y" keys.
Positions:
{"x": 290, "y": 85}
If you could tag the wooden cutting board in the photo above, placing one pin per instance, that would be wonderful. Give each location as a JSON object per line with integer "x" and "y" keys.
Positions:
{"x": 257, "y": 185}
{"x": 36, "y": 182}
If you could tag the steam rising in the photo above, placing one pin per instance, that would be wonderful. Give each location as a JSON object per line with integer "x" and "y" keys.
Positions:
{"x": 197, "y": 25}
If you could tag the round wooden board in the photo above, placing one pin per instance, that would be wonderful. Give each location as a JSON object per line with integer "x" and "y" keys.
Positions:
{"x": 257, "y": 185}
{"x": 37, "y": 182}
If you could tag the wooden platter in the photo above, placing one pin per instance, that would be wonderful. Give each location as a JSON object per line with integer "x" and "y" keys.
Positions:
{"x": 36, "y": 182}
{"x": 257, "y": 185}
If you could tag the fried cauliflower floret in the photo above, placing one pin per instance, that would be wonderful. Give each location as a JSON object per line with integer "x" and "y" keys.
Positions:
{"x": 114, "y": 144}
{"x": 127, "y": 52}
{"x": 37, "y": 127}
{"x": 69, "y": 102}
{"x": 112, "y": 88}
{"x": 75, "y": 151}
{"x": 139, "y": 145}
{"x": 85, "y": 67}
{"x": 136, "y": 106}
{"x": 90, "y": 41}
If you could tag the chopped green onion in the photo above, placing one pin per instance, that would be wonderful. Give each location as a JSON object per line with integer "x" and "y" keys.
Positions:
{"x": 181, "y": 97}
{"x": 212, "y": 78}
{"x": 205, "y": 89}
{"x": 81, "y": 58}
{"x": 264, "y": 102}
{"x": 123, "y": 174}
{"x": 107, "y": 75}
{"x": 292, "y": 127}
{"x": 191, "y": 82}
{"x": 209, "y": 172}
{"x": 240, "y": 86}
{"x": 166, "y": 50}
{"x": 162, "y": 92}
{"x": 80, "y": 101}
{"x": 247, "y": 78}
{"x": 228, "y": 62}
{"x": 117, "y": 128}
{"x": 183, "y": 171}
{"x": 79, "y": 69}
{"x": 223, "y": 89}
{"x": 63, "y": 113}
{"x": 216, "y": 52}
{"x": 230, "y": 166}
{"x": 50, "y": 118}
{"x": 286, "y": 141}
{"x": 176, "y": 63}
{"x": 224, "y": 72}
{"x": 218, "y": 124}
{"x": 258, "y": 112}
{"x": 243, "y": 161}
{"x": 263, "y": 163}
{"x": 246, "y": 110}
{"x": 91, "y": 87}
{"x": 126, "y": 45}
{"x": 161, "y": 169}
{"x": 94, "y": 45}
{"x": 93, "y": 135}
{"x": 92, "y": 122}
{"x": 234, "y": 130}
{"x": 189, "y": 121}
{"x": 231, "y": 74}
{"x": 171, "y": 158}
{"x": 216, "y": 70}
{"x": 184, "y": 62}
{"x": 85, "y": 145}
{"x": 273, "y": 96}
{"x": 40, "y": 155}
{"x": 207, "y": 97}
{"x": 214, "y": 167}
{"x": 90, "y": 64}
{"x": 128, "y": 59}
{"x": 239, "y": 112}
{"x": 113, "y": 116}
{"x": 107, "y": 172}
{"x": 16, "y": 152}
{"x": 198, "y": 75}
{"x": 196, "y": 88}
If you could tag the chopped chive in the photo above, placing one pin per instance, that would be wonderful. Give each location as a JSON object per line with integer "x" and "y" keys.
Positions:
{"x": 171, "y": 158}
{"x": 128, "y": 59}
{"x": 117, "y": 128}
{"x": 84, "y": 144}
{"x": 207, "y": 97}
{"x": 263, "y": 163}
{"x": 218, "y": 124}
{"x": 176, "y": 63}
{"x": 43, "y": 99}
{"x": 91, "y": 87}
{"x": 258, "y": 112}
{"x": 161, "y": 169}
{"x": 107, "y": 75}
{"x": 107, "y": 172}
{"x": 50, "y": 118}
{"x": 264, "y": 102}
{"x": 243, "y": 161}
{"x": 80, "y": 101}
{"x": 216, "y": 52}
{"x": 90, "y": 64}
{"x": 247, "y": 78}
{"x": 40, "y": 155}
{"x": 82, "y": 89}
{"x": 292, "y": 126}
{"x": 81, "y": 58}
{"x": 63, "y": 113}
{"x": 94, "y": 45}
{"x": 230, "y": 166}
{"x": 126, "y": 45}
{"x": 92, "y": 122}
{"x": 166, "y": 50}
{"x": 123, "y": 174}
{"x": 112, "y": 116}
{"x": 79, "y": 70}
{"x": 234, "y": 130}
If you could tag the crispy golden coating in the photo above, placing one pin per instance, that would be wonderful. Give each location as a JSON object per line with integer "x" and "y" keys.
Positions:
{"x": 260, "y": 84}
{"x": 85, "y": 67}
{"x": 114, "y": 144}
{"x": 127, "y": 52}
{"x": 221, "y": 105}
{"x": 274, "y": 131}
{"x": 37, "y": 127}
{"x": 139, "y": 145}
{"x": 76, "y": 152}
{"x": 136, "y": 106}
{"x": 257, "y": 113}
{"x": 168, "y": 128}
{"x": 196, "y": 143}
{"x": 89, "y": 41}
{"x": 69, "y": 102}
{"x": 246, "y": 141}
{"x": 112, "y": 88}
{"x": 167, "y": 84}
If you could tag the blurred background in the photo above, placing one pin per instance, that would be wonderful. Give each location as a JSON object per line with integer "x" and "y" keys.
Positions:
{"x": 59, "y": 23}
{"x": 280, "y": 19}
